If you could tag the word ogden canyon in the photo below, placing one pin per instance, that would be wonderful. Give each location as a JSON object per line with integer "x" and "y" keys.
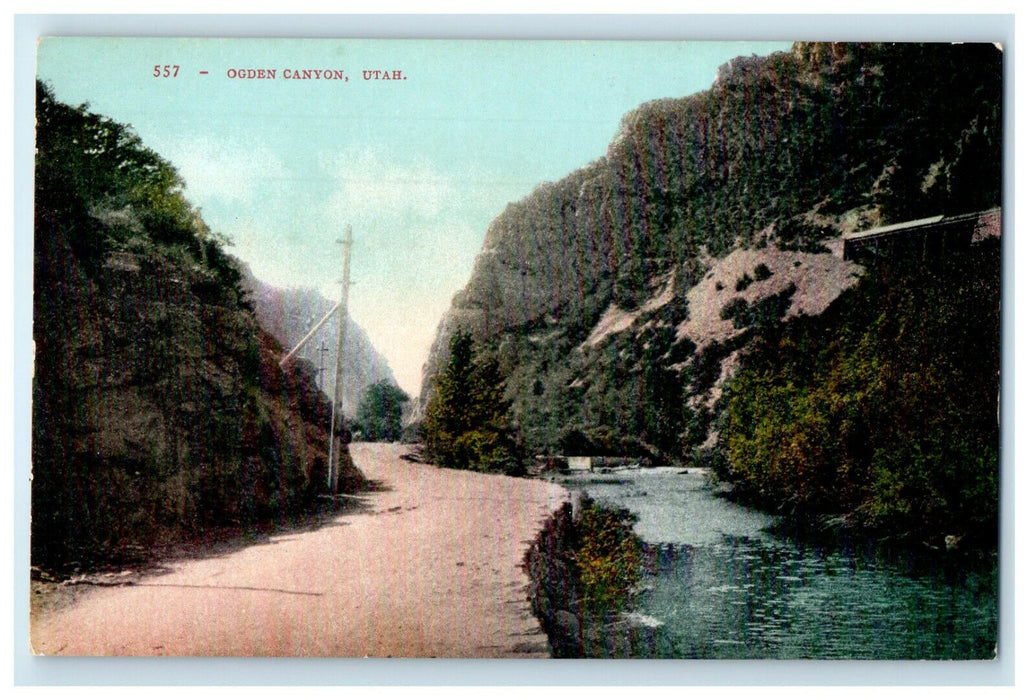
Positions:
{"x": 309, "y": 74}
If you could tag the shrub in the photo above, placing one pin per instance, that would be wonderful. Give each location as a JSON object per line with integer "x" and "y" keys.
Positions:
{"x": 874, "y": 409}
{"x": 607, "y": 556}
{"x": 736, "y": 310}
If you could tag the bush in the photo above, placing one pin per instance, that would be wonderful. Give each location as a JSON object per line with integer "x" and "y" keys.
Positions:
{"x": 736, "y": 310}
{"x": 607, "y": 556}
{"x": 885, "y": 408}
{"x": 765, "y": 312}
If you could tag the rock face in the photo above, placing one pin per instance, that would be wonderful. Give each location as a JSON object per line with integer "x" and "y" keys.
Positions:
{"x": 618, "y": 298}
{"x": 159, "y": 410}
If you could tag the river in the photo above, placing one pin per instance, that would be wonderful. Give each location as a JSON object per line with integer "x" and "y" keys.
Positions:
{"x": 725, "y": 584}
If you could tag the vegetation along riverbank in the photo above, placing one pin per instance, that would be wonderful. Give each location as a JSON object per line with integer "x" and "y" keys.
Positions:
{"x": 585, "y": 566}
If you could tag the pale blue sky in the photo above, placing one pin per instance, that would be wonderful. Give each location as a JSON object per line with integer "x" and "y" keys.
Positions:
{"x": 419, "y": 167}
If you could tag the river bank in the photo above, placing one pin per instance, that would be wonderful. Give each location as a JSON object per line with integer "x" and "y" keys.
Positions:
{"x": 722, "y": 580}
{"x": 576, "y": 628}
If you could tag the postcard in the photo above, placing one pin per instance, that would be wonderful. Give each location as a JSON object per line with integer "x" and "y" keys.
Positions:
{"x": 517, "y": 349}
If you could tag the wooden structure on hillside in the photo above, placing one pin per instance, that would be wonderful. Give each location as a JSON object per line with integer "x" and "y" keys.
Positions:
{"x": 932, "y": 236}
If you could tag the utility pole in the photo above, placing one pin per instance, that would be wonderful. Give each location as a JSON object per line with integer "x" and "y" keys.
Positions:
{"x": 333, "y": 452}
{"x": 323, "y": 355}
{"x": 334, "y": 449}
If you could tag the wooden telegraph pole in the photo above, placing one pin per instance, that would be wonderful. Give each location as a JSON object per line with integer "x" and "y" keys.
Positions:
{"x": 333, "y": 453}
{"x": 334, "y": 450}
{"x": 320, "y": 324}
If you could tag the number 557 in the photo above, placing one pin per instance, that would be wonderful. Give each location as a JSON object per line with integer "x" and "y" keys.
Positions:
{"x": 166, "y": 71}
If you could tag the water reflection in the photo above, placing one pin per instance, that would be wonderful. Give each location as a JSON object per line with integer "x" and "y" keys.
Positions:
{"x": 723, "y": 585}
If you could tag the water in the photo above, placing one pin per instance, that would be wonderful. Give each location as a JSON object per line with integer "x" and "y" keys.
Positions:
{"x": 721, "y": 585}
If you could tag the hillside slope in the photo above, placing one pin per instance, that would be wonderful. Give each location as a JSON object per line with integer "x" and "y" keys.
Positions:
{"x": 159, "y": 411}
{"x": 617, "y": 299}
{"x": 883, "y": 412}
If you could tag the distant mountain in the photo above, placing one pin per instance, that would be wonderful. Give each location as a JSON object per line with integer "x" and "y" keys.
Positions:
{"x": 618, "y": 300}
{"x": 289, "y": 314}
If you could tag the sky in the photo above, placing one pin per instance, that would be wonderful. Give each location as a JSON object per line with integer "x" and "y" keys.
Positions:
{"x": 418, "y": 166}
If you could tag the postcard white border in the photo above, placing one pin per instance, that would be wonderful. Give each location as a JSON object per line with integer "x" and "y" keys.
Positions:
{"x": 29, "y": 670}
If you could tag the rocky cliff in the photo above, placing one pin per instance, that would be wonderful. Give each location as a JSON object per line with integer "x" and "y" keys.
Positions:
{"x": 618, "y": 299}
{"x": 159, "y": 410}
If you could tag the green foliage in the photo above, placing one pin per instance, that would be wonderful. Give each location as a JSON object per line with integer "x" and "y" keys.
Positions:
{"x": 762, "y": 272}
{"x": 114, "y": 193}
{"x": 584, "y": 573}
{"x": 743, "y": 282}
{"x": 707, "y": 363}
{"x": 379, "y": 417}
{"x": 466, "y": 424}
{"x": 765, "y": 313}
{"x": 607, "y": 557}
{"x": 736, "y": 310}
{"x": 886, "y": 407}
{"x": 633, "y": 401}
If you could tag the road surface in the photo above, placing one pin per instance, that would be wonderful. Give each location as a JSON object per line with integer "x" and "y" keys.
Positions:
{"x": 429, "y": 565}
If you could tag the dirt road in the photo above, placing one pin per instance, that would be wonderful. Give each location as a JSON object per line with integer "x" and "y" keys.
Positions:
{"x": 429, "y": 565}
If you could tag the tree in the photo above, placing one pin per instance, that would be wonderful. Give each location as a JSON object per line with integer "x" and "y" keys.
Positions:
{"x": 380, "y": 415}
{"x": 886, "y": 407}
{"x": 466, "y": 424}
